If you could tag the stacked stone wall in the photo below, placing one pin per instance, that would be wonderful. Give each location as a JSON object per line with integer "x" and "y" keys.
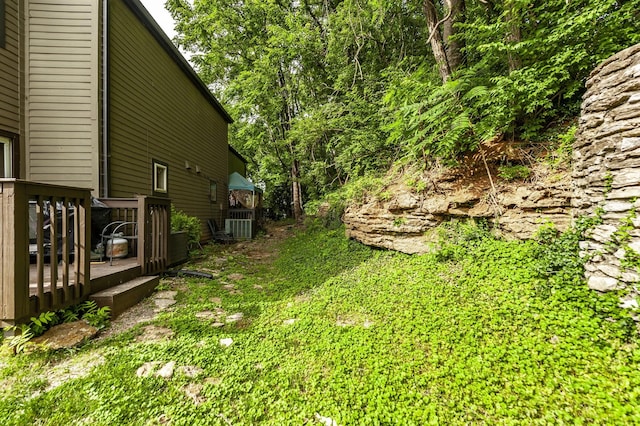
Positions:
{"x": 606, "y": 174}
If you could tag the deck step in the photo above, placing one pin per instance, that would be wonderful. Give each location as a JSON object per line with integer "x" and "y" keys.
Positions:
{"x": 125, "y": 295}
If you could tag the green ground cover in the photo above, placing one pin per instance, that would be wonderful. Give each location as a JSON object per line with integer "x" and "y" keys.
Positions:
{"x": 482, "y": 332}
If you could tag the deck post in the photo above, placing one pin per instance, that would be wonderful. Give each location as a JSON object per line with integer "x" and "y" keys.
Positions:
{"x": 143, "y": 243}
{"x": 154, "y": 227}
{"x": 83, "y": 245}
{"x": 14, "y": 252}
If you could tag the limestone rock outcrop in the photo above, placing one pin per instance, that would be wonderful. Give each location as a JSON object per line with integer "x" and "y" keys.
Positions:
{"x": 607, "y": 171}
{"x": 605, "y": 184}
{"x": 402, "y": 221}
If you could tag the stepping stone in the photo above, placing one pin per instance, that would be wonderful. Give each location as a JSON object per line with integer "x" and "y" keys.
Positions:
{"x": 165, "y": 295}
{"x": 162, "y": 304}
{"x": 190, "y": 371}
{"x": 235, "y": 317}
{"x": 289, "y": 321}
{"x": 236, "y": 277}
{"x": 194, "y": 391}
{"x": 212, "y": 381}
{"x": 345, "y": 323}
{"x": 217, "y": 325}
{"x": 152, "y": 333}
{"x": 216, "y": 300}
{"x": 206, "y": 315}
{"x": 166, "y": 372}
{"x": 147, "y": 369}
{"x": 326, "y": 421}
{"x": 226, "y": 342}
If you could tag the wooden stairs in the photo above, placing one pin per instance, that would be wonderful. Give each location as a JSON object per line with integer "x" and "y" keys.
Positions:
{"x": 122, "y": 290}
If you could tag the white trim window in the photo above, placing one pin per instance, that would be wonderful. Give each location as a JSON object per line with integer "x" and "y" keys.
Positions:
{"x": 160, "y": 177}
{"x": 5, "y": 158}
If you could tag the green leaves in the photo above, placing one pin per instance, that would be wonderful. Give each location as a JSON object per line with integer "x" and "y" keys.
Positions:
{"x": 345, "y": 88}
{"x": 181, "y": 222}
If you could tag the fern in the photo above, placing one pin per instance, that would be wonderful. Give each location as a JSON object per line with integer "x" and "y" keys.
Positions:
{"x": 18, "y": 342}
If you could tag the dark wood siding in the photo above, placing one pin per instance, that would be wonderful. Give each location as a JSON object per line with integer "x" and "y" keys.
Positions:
{"x": 10, "y": 71}
{"x": 157, "y": 113}
{"x": 61, "y": 81}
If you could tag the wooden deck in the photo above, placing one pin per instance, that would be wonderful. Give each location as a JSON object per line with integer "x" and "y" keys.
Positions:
{"x": 101, "y": 274}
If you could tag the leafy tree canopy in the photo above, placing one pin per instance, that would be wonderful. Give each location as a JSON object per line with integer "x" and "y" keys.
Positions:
{"x": 327, "y": 90}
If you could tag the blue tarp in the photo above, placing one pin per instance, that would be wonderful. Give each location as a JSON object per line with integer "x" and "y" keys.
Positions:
{"x": 238, "y": 182}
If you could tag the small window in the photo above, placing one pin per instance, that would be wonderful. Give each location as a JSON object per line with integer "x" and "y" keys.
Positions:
{"x": 160, "y": 177}
{"x": 213, "y": 191}
{"x": 5, "y": 157}
{"x": 3, "y": 25}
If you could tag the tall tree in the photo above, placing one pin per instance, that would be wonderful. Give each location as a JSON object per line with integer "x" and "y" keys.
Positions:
{"x": 445, "y": 43}
{"x": 266, "y": 56}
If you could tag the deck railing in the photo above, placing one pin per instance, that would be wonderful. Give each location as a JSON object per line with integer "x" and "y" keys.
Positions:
{"x": 153, "y": 217}
{"x": 253, "y": 214}
{"x": 45, "y": 243}
{"x": 65, "y": 280}
{"x": 241, "y": 214}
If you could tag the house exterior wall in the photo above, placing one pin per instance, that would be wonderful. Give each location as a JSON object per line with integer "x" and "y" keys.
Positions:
{"x": 61, "y": 85}
{"x": 158, "y": 113}
{"x": 10, "y": 71}
{"x": 237, "y": 164}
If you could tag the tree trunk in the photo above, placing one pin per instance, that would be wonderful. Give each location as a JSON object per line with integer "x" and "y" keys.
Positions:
{"x": 296, "y": 191}
{"x": 455, "y": 11}
{"x": 437, "y": 45}
{"x": 514, "y": 36}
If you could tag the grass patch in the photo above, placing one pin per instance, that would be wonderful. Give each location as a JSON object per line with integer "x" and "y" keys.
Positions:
{"x": 482, "y": 332}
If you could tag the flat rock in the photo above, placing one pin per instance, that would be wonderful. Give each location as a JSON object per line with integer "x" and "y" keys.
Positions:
{"x": 235, "y": 317}
{"x": 167, "y": 370}
{"x": 162, "y": 304}
{"x": 235, "y": 277}
{"x": 603, "y": 284}
{"x": 165, "y": 295}
{"x": 67, "y": 335}
{"x": 190, "y": 371}
{"x": 206, "y": 315}
{"x": 215, "y": 381}
{"x": 152, "y": 333}
{"x": 194, "y": 392}
{"x": 147, "y": 369}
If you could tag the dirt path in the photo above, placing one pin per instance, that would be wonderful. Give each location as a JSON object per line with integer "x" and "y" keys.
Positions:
{"x": 261, "y": 250}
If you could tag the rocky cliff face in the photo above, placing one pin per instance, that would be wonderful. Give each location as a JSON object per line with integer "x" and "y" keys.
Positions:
{"x": 607, "y": 172}
{"x": 402, "y": 219}
{"x": 605, "y": 184}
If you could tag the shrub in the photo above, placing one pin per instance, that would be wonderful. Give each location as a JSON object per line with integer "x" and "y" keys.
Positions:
{"x": 511, "y": 173}
{"x": 181, "y": 222}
